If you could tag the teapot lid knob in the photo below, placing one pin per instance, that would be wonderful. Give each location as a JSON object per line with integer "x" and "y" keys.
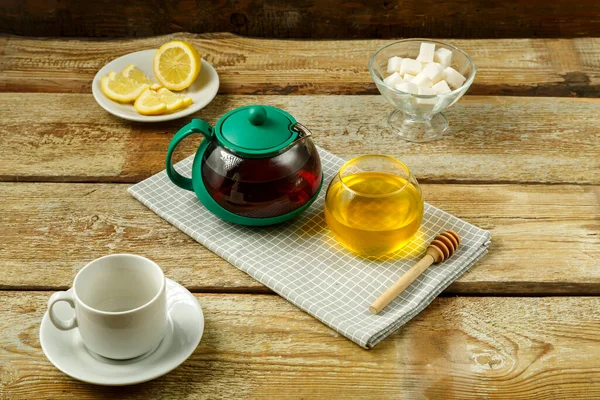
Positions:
{"x": 257, "y": 115}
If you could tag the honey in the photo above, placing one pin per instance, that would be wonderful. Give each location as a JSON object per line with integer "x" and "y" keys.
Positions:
{"x": 373, "y": 213}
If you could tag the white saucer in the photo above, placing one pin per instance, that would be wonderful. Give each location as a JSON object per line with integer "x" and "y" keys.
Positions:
{"x": 202, "y": 91}
{"x": 67, "y": 352}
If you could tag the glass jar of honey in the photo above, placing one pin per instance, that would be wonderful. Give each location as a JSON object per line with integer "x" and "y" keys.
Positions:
{"x": 374, "y": 205}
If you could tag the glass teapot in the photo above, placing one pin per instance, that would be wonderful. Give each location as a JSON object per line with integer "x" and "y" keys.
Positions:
{"x": 258, "y": 166}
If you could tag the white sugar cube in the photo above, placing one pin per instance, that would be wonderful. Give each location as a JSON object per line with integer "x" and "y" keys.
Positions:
{"x": 424, "y": 64}
{"x": 453, "y": 77}
{"x": 408, "y": 65}
{"x": 434, "y": 71}
{"x": 422, "y": 80}
{"x": 427, "y": 51}
{"x": 427, "y": 91}
{"x": 409, "y": 77}
{"x": 408, "y": 87}
{"x": 441, "y": 87}
{"x": 443, "y": 56}
{"x": 394, "y": 64}
{"x": 393, "y": 79}
{"x": 422, "y": 61}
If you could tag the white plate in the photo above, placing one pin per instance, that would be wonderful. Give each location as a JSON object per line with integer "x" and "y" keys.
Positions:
{"x": 202, "y": 91}
{"x": 65, "y": 349}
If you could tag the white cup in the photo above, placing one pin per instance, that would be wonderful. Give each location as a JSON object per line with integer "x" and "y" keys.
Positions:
{"x": 120, "y": 306}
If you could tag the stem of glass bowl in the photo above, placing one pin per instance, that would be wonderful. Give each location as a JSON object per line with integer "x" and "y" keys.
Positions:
{"x": 415, "y": 129}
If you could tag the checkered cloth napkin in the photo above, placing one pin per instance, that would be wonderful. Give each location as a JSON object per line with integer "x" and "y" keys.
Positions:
{"x": 302, "y": 262}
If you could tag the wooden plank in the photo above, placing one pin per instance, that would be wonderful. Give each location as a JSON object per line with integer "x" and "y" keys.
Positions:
{"x": 544, "y": 237}
{"x": 68, "y": 137}
{"x": 532, "y": 67}
{"x": 305, "y": 18}
{"x": 261, "y": 347}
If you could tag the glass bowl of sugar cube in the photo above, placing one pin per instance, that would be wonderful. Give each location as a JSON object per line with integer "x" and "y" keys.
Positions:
{"x": 421, "y": 78}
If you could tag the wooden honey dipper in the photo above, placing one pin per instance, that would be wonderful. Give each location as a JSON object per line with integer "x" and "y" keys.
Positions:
{"x": 441, "y": 248}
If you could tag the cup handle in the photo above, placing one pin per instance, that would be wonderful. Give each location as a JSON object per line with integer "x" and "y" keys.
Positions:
{"x": 59, "y": 323}
{"x": 196, "y": 126}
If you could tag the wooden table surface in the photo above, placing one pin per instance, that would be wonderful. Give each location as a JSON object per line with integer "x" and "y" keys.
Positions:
{"x": 522, "y": 160}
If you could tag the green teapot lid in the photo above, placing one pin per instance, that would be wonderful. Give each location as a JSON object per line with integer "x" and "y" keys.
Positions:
{"x": 256, "y": 131}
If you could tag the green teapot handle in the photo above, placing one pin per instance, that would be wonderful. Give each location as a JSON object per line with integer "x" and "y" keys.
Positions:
{"x": 196, "y": 126}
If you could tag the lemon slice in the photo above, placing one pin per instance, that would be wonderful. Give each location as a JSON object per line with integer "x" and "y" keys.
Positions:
{"x": 149, "y": 104}
{"x": 132, "y": 72}
{"x": 173, "y": 101}
{"x": 121, "y": 89}
{"x": 177, "y": 65}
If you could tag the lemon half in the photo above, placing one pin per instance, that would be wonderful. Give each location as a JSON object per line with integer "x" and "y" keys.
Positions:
{"x": 177, "y": 65}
